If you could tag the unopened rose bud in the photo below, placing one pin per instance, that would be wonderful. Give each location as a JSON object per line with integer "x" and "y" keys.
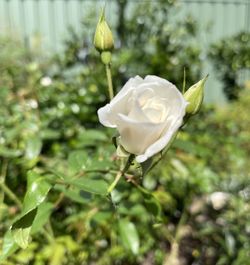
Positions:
{"x": 103, "y": 39}
{"x": 194, "y": 96}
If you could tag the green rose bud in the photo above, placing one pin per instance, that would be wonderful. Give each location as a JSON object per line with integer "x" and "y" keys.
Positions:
{"x": 194, "y": 96}
{"x": 103, "y": 39}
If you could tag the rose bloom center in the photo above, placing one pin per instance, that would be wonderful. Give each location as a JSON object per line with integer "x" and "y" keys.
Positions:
{"x": 147, "y": 106}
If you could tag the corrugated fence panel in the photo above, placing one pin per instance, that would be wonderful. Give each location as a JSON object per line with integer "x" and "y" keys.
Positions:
{"x": 217, "y": 19}
{"x": 45, "y": 22}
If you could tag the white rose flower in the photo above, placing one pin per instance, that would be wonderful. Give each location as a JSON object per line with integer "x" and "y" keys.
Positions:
{"x": 147, "y": 113}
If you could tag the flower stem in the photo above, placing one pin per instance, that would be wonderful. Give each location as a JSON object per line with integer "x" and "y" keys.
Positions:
{"x": 121, "y": 173}
{"x": 109, "y": 79}
{"x": 114, "y": 183}
{"x": 184, "y": 81}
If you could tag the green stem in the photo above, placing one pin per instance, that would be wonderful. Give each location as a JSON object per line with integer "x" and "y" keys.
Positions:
{"x": 184, "y": 81}
{"x": 10, "y": 194}
{"x": 121, "y": 173}
{"x": 114, "y": 183}
{"x": 3, "y": 176}
{"x": 47, "y": 235}
{"x": 109, "y": 79}
{"x": 50, "y": 230}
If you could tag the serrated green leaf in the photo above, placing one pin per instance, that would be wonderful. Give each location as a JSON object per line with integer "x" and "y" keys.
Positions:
{"x": 129, "y": 236}
{"x": 33, "y": 147}
{"x": 97, "y": 186}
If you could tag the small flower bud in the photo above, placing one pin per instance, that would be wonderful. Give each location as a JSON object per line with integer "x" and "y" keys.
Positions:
{"x": 194, "y": 96}
{"x": 103, "y": 39}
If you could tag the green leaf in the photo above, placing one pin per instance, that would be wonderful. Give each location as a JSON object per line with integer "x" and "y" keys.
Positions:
{"x": 37, "y": 189}
{"x": 74, "y": 194}
{"x": 153, "y": 206}
{"x": 43, "y": 213}
{"x": 50, "y": 134}
{"x": 33, "y": 147}
{"x": 98, "y": 164}
{"x": 9, "y": 153}
{"x": 97, "y": 186}
{"x": 80, "y": 161}
{"x": 129, "y": 236}
{"x": 21, "y": 236}
{"x": 90, "y": 137}
{"x": 9, "y": 246}
{"x": 102, "y": 217}
{"x": 77, "y": 161}
{"x": 151, "y": 203}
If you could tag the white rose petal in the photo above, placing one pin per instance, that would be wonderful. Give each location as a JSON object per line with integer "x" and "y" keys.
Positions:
{"x": 147, "y": 113}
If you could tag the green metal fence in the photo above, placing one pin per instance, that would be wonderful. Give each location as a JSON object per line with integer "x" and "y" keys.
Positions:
{"x": 49, "y": 19}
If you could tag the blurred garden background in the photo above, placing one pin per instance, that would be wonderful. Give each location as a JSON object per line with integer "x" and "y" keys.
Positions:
{"x": 194, "y": 208}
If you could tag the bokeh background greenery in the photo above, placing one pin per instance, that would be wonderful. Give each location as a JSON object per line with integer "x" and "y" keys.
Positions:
{"x": 193, "y": 208}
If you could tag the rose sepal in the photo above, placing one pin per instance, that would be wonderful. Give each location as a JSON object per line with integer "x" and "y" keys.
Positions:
{"x": 121, "y": 152}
